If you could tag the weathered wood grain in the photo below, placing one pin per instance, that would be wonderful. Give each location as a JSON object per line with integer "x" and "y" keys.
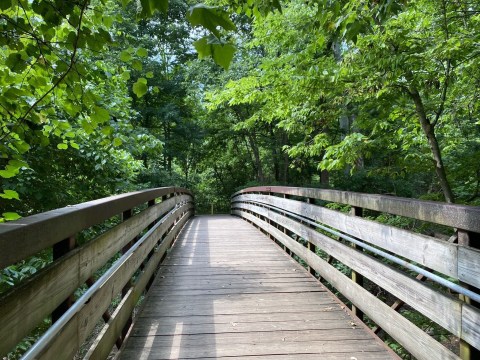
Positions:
{"x": 27, "y": 236}
{"x": 359, "y": 355}
{"x": 106, "y": 339}
{"x": 433, "y": 253}
{"x": 441, "y": 308}
{"x": 74, "y": 333}
{"x": 471, "y": 325}
{"x": 469, "y": 265}
{"x": 167, "y": 322}
{"x": 257, "y": 344}
{"x": 204, "y": 308}
{"x": 421, "y": 345}
{"x": 27, "y": 305}
{"x": 455, "y": 216}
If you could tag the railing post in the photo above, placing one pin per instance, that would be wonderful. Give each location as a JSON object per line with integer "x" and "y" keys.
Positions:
{"x": 126, "y": 215}
{"x": 268, "y": 219}
{"x": 356, "y": 277}
{"x": 59, "y": 249}
{"x": 150, "y": 254}
{"x": 285, "y": 231}
{"x": 467, "y": 238}
{"x": 311, "y": 246}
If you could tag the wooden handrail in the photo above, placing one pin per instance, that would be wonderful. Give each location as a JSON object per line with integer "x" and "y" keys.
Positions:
{"x": 294, "y": 216}
{"x": 27, "y": 236}
{"x": 455, "y": 216}
{"x": 28, "y": 304}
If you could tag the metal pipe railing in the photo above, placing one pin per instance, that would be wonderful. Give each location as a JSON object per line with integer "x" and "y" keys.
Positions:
{"x": 56, "y": 327}
{"x": 435, "y": 278}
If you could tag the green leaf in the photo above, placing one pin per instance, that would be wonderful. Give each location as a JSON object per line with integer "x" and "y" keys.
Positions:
{"x": 87, "y": 126}
{"x": 203, "y": 48}
{"x": 149, "y": 75}
{"x": 9, "y": 195}
{"x": 100, "y": 115}
{"x": 7, "y": 174}
{"x": 125, "y": 56}
{"x": 10, "y": 216}
{"x": 148, "y": 7}
{"x": 137, "y": 65}
{"x": 142, "y": 52}
{"x": 222, "y": 54}
{"x": 125, "y": 75}
{"x": 70, "y": 134}
{"x": 74, "y": 145}
{"x": 22, "y": 146}
{"x": 107, "y": 130}
{"x": 62, "y": 146}
{"x": 117, "y": 142}
{"x": 18, "y": 163}
{"x": 140, "y": 87}
{"x": 210, "y": 18}
{"x": 16, "y": 63}
{"x": 10, "y": 171}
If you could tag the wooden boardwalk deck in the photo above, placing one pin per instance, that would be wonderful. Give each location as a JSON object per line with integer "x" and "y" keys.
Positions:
{"x": 227, "y": 291}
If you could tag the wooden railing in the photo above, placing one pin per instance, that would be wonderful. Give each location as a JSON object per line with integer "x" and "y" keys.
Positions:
{"x": 448, "y": 270}
{"x": 117, "y": 265}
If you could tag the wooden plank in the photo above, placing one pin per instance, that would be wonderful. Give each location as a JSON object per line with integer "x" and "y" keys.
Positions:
{"x": 316, "y": 294}
{"x": 70, "y": 338}
{"x": 209, "y": 274}
{"x": 356, "y": 354}
{"x": 234, "y": 307}
{"x": 469, "y": 265}
{"x": 455, "y": 216}
{"x": 444, "y": 309}
{"x": 27, "y": 236}
{"x": 225, "y": 263}
{"x": 248, "y": 327}
{"x": 259, "y": 344}
{"x": 421, "y": 345}
{"x": 179, "y": 272}
{"x": 326, "y": 313}
{"x": 428, "y": 251}
{"x": 214, "y": 282}
{"x": 106, "y": 339}
{"x": 257, "y": 337}
{"x": 27, "y": 305}
{"x": 471, "y": 325}
{"x": 241, "y": 291}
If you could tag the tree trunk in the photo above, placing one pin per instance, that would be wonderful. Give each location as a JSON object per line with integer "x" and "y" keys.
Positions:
{"x": 256, "y": 154}
{"x": 324, "y": 178}
{"x": 286, "y": 159}
{"x": 276, "y": 151}
{"x": 429, "y": 131}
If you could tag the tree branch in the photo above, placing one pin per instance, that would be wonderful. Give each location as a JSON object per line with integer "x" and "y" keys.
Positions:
{"x": 70, "y": 66}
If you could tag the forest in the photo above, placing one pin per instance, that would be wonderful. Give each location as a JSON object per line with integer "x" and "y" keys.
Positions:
{"x": 105, "y": 96}
{"x": 101, "y": 97}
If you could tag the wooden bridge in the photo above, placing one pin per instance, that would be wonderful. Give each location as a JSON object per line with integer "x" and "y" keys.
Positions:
{"x": 260, "y": 283}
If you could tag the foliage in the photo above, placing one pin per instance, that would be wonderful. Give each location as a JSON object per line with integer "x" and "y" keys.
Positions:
{"x": 105, "y": 96}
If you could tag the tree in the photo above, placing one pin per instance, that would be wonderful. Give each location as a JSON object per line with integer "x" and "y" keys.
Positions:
{"x": 407, "y": 72}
